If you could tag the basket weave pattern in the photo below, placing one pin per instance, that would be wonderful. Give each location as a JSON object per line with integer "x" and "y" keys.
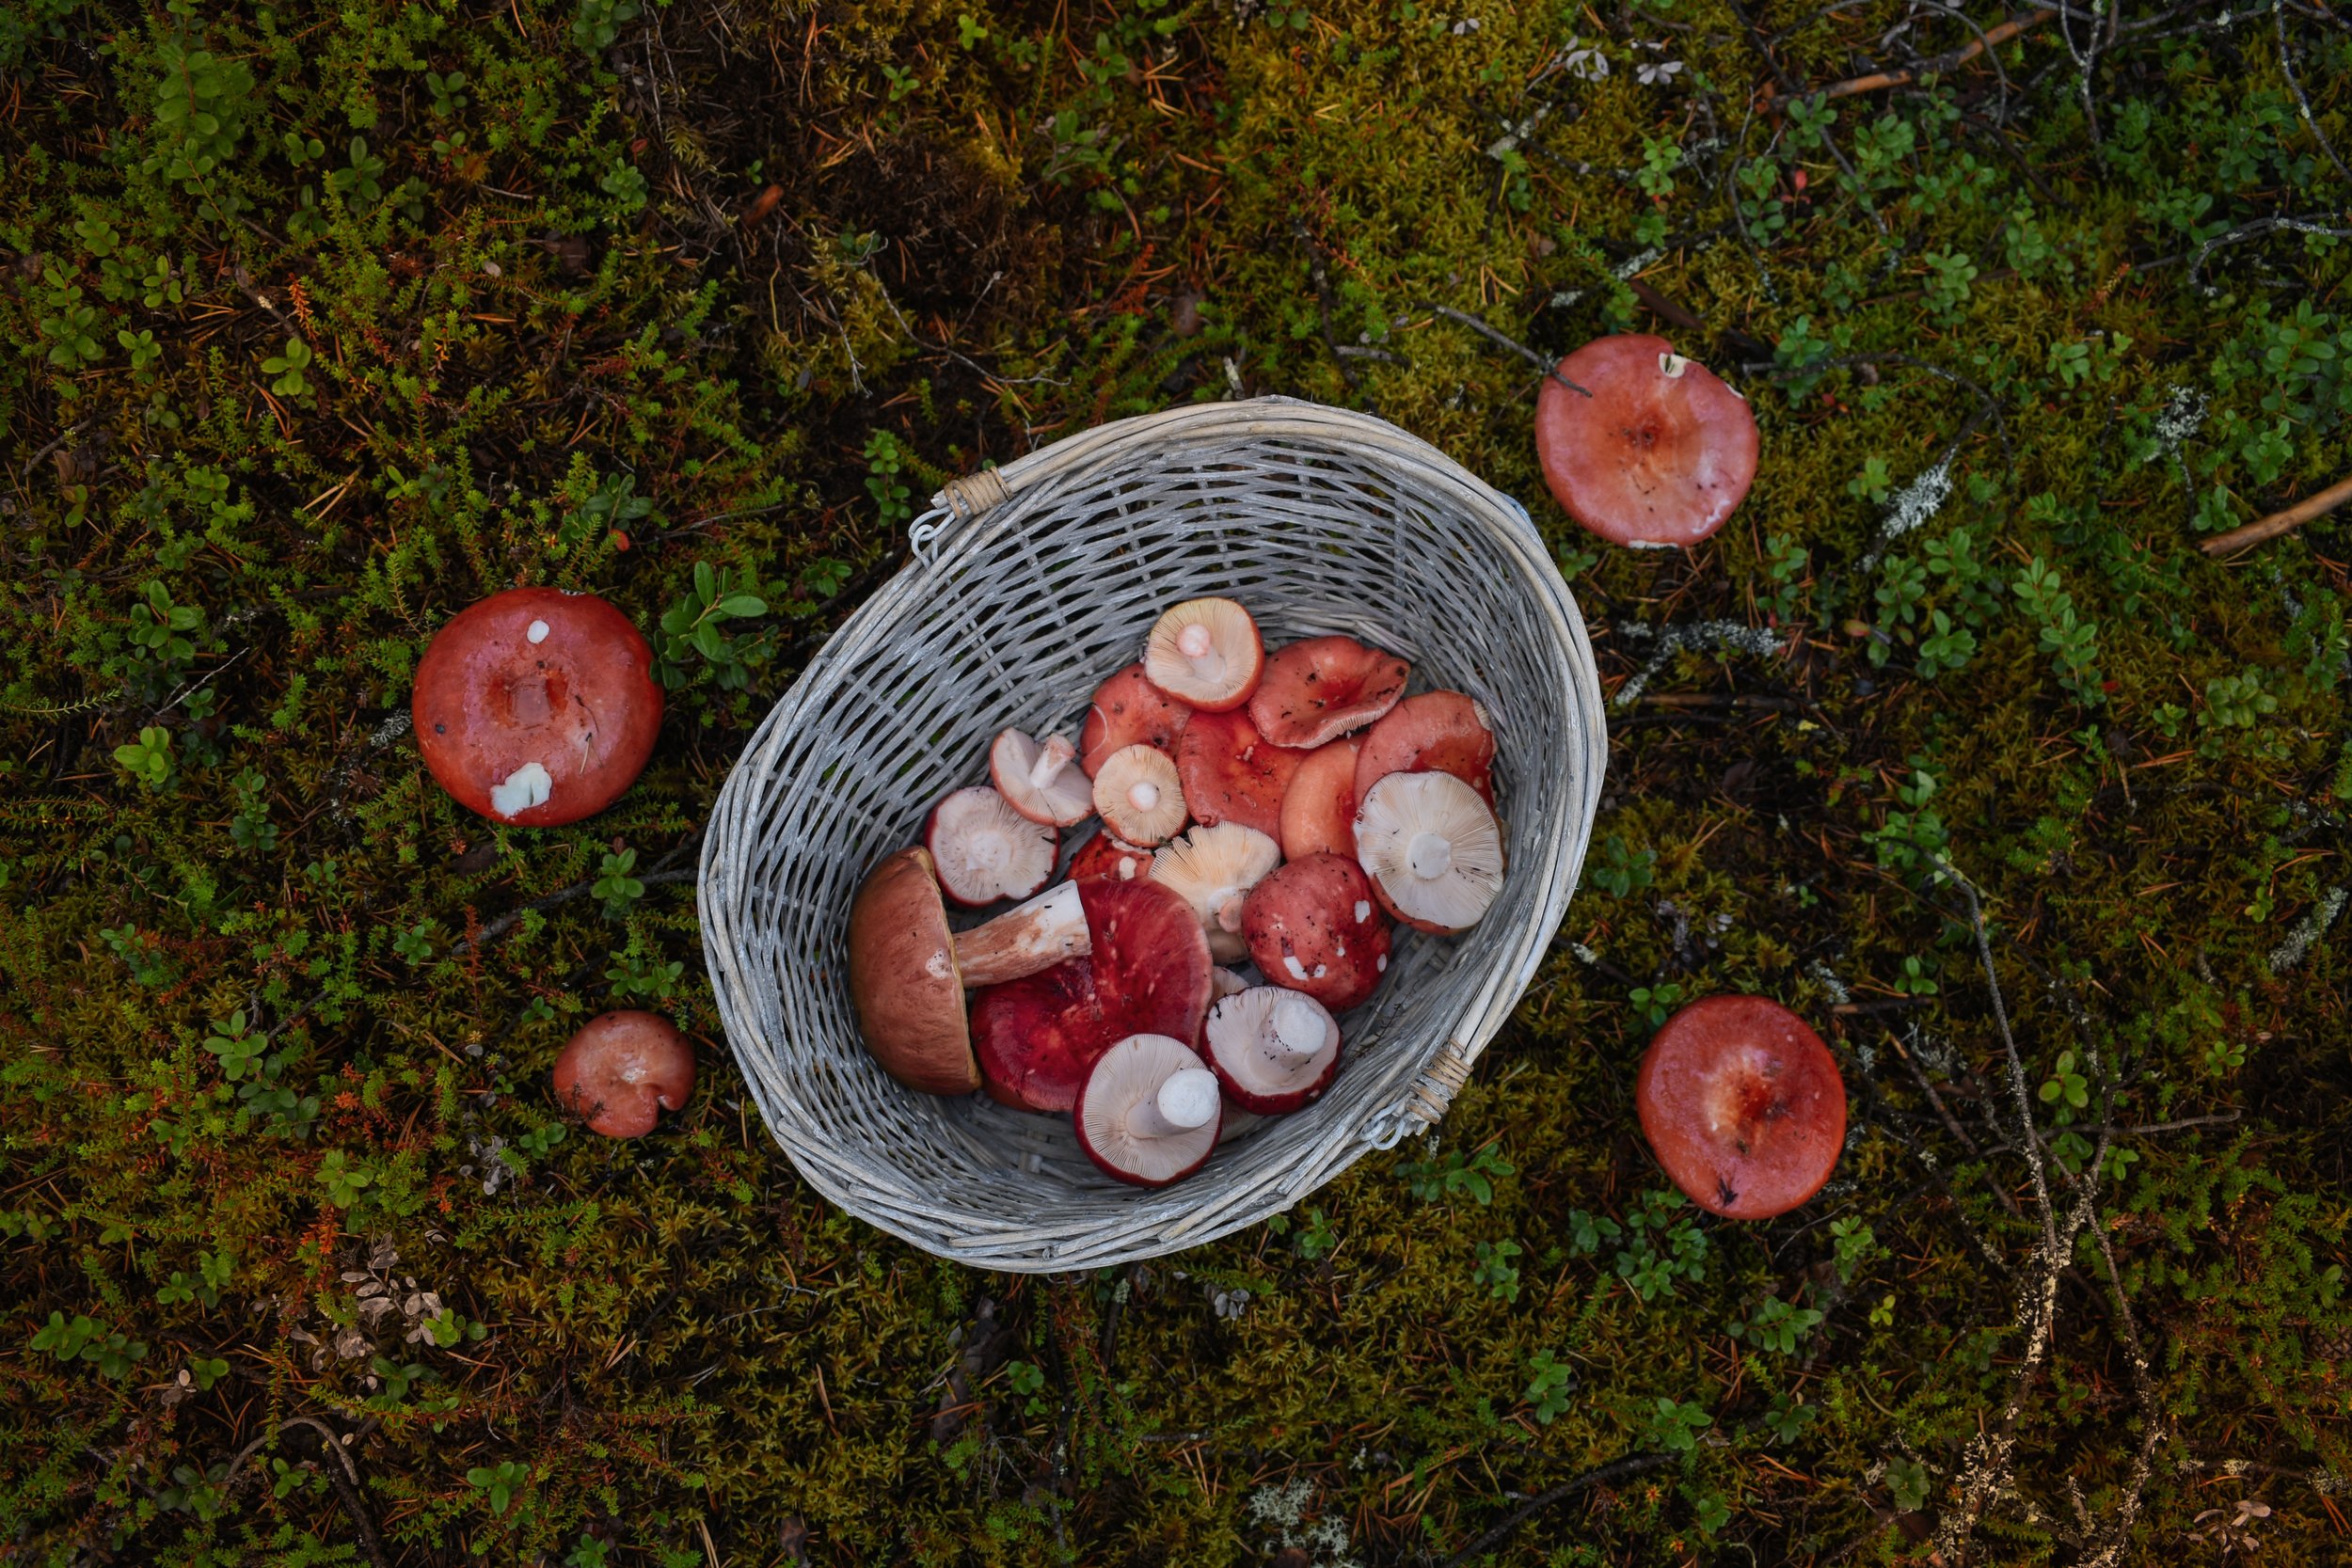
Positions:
{"x": 1032, "y": 583}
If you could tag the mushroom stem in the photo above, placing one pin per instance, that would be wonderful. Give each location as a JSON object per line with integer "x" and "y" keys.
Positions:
{"x": 1025, "y": 939}
{"x": 1295, "y": 1030}
{"x": 1188, "y": 1099}
{"x": 1052, "y": 757}
{"x": 1430, "y": 856}
{"x": 1228, "y": 907}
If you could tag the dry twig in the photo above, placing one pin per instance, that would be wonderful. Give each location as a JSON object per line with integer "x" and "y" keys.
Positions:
{"x": 2267, "y": 529}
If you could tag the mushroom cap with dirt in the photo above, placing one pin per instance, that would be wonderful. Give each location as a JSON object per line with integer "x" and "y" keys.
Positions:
{"x": 1433, "y": 850}
{"x": 1445, "y": 732}
{"x": 1743, "y": 1106}
{"x": 622, "y": 1069}
{"x": 1231, "y": 773}
{"x": 1214, "y": 868}
{"x": 1041, "y": 780}
{"x": 909, "y": 970}
{"x": 1317, "y": 689}
{"x": 1315, "y": 927}
{"x": 1206, "y": 653}
{"x": 984, "y": 852}
{"x": 1273, "y": 1049}
{"x": 1149, "y": 1111}
{"x": 536, "y": 706}
{"x": 1659, "y": 454}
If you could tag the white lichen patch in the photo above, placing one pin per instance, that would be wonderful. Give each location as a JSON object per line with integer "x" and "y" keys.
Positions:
{"x": 1693, "y": 637}
{"x": 1281, "y": 1507}
{"x": 525, "y": 787}
{"x": 2308, "y": 930}
{"x": 1912, "y": 506}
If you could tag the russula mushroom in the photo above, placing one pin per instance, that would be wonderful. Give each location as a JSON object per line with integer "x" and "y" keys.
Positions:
{"x": 984, "y": 850}
{"x": 1313, "y": 926}
{"x": 1148, "y": 974}
{"x": 1138, "y": 793}
{"x": 1149, "y": 1112}
{"x": 1214, "y": 868}
{"x": 908, "y": 970}
{"x": 622, "y": 1071}
{"x": 1129, "y": 710}
{"x": 1433, "y": 848}
{"x": 1437, "y": 731}
{"x": 536, "y": 706}
{"x": 1043, "y": 782}
{"x": 1319, "y": 807}
{"x": 1273, "y": 1049}
{"x": 1104, "y": 857}
{"x": 1231, "y": 773}
{"x": 1659, "y": 453}
{"x": 1743, "y": 1106}
{"x": 1206, "y": 653}
{"x": 1318, "y": 690}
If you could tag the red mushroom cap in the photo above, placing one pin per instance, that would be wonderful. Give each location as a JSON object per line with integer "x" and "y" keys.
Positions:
{"x": 1231, "y": 773}
{"x": 536, "y": 706}
{"x": 1148, "y": 974}
{"x": 1317, "y": 690}
{"x": 1319, "y": 807}
{"x": 1315, "y": 927}
{"x": 1105, "y": 858}
{"x": 1661, "y": 454}
{"x": 1743, "y": 1106}
{"x": 1443, "y": 732}
{"x": 1129, "y": 711}
{"x": 622, "y": 1071}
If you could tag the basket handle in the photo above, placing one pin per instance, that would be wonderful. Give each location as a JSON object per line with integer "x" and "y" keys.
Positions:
{"x": 1425, "y": 1106}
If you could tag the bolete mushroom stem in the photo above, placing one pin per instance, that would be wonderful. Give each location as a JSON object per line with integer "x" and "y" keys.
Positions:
{"x": 1186, "y": 1099}
{"x": 1025, "y": 939}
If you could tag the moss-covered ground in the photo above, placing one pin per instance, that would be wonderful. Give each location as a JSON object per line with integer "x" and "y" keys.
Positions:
{"x": 327, "y": 320}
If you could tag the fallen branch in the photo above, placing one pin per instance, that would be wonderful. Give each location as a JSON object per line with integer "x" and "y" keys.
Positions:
{"x": 1466, "y": 318}
{"x": 1620, "y": 1470}
{"x": 1992, "y": 37}
{"x": 508, "y": 921}
{"x": 2267, "y": 529}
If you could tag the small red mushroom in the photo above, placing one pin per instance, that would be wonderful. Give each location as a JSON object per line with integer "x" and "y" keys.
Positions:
{"x": 1147, "y": 1113}
{"x": 1129, "y": 710}
{"x": 985, "y": 850}
{"x": 1206, "y": 653}
{"x": 1106, "y": 857}
{"x": 1443, "y": 732}
{"x": 1273, "y": 1049}
{"x": 1313, "y": 926}
{"x": 1319, "y": 807}
{"x": 1743, "y": 1106}
{"x": 1659, "y": 454}
{"x": 622, "y": 1071}
{"x": 1231, "y": 773}
{"x": 536, "y": 706}
{"x": 1318, "y": 690}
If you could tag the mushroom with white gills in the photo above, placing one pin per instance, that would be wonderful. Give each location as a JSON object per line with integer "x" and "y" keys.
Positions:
{"x": 1273, "y": 1049}
{"x": 1214, "y": 868}
{"x": 1137, "y": 794}
{"x": 908, "y": 972}
{"x": 1042, "y": 781}
{"x": 1149, "y": 1111}
{"x": 1206, "y": 653}
{"x": 984, "y": 850}
{"x": 1433, "y": 848}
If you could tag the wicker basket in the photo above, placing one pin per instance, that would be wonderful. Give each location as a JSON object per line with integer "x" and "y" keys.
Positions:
{"x": 1031, "y": 583}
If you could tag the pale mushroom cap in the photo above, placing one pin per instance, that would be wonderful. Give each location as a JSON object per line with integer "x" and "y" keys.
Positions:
{"x": 1214, "y": 868}
{"x": 1432, "y": 846}
{"x": 986, "y": 850}
{"x": 1040, "y": 781}
{"x": 1205, "y": 652}
{"x": 1273, "y": 1047}
{"x": 1137, "y": 794}
{"x": 1149, "y": 1111}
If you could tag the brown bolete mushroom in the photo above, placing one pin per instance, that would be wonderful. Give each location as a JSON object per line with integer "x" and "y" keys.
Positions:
{"x": 622, "y": 1071}
{"x": 536, "y": 706}
{"x": 1433, "y": 850}
{"x": 1040, "y": 781}
{"x": 1313, "y": 926}
{"x": 1231, "y": 773}
{"x": 1659, "y": 453}
{"x": 1315, "y": 691}
{"x": 1319, "y": 807}
{"x": 983, "y": 850}
{"x": 1148, "y": 974}
{"x": 1214, "y": 868}
{"x": 1106, "y": 857}
{"x": 1743, "y": 1106}
{"x": 1443, "y": 732}
{"x": 1206, "y": 653}
{"x": 1148, "y": 1114}
{"x": 908, "y": 970}
{"x": 1138, "y": 794}
{"x": 1273, "y": 1049}
{"x": 1129, "y": 710}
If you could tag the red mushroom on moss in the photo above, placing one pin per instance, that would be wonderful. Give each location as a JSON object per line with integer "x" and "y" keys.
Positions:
{"x": 1273, "y": 1049}
{"x": 1433, "y": 850}
{"x": 1041, "y": 780}
{"x": 1206, "y": 653}
{"x": 1318, "y": 690}
{"x": 1231, "y": 773}
{"x": 536, "y": 706}
{"x": 1315, "y": 927}
{"x": 622, "y": 1071}
{"x": 1743, "y": 1105}
{"x": 1659, "y": 453}
{"x": 985, "y": 850}
{"x": 1147, "y": 1113}
{"x": 1319, "y": 807}
{"x": 1443, "y": 732}
{"x": 1128, "y": 710}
